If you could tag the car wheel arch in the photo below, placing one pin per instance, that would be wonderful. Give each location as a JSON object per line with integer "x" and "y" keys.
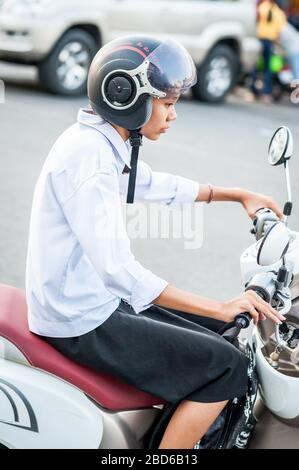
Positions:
{"x": 90, "y": 28}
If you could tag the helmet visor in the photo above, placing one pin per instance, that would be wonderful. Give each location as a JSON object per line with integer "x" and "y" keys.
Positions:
{"x": 171, "y": 69}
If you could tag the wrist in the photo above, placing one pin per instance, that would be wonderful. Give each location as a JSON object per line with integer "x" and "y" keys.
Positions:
{"x": 241, "y": 195}
{"x": 218, "y": 310}
{"x": 220, "y": 315}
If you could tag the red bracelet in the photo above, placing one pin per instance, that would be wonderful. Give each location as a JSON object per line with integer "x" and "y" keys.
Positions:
{"x": 211, "y": 195}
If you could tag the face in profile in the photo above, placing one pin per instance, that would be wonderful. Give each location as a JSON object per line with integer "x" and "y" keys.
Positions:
{"x": 163, "y": 113}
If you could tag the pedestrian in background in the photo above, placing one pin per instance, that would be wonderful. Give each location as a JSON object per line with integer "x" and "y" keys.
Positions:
{"x": 270, "y": 21}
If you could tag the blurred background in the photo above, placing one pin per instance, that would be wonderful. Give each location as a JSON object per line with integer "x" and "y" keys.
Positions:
{"x": 246, "y": 54}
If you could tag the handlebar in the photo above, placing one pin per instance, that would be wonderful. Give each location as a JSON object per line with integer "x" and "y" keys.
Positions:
{"x": 243, "y": 320}
{"x": 263, "y": 218}
{"x": 232, "y": 329}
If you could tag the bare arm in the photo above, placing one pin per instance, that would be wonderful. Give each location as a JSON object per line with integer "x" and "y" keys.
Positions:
{"x": 188, "y": 302}
{"x": 221, "y": 194}
{"x": 250, "y": 201}
{"x": 249, "y": 301}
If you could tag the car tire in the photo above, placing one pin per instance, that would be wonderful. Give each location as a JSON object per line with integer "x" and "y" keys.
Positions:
{"x": 217, "y": 75}
{"x": 65, "y": 69}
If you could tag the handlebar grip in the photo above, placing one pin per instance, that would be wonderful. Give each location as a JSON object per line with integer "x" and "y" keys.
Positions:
{"x": 231, "y": 330}
{"x": 243, "y": 320}
{"x": 262, "y": 216}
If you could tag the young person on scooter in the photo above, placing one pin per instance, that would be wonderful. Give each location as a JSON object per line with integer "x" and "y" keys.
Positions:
{"x": 87, "y": 294}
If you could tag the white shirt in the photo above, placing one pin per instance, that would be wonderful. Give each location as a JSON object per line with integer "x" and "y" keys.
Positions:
{"x": 79, "y": 262}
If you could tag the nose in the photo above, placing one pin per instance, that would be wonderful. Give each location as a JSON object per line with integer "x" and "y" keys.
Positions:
{"x": 172, "y": 114}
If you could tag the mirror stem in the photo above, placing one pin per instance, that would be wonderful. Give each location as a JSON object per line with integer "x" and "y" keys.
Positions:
{"x": 288, "y": 206}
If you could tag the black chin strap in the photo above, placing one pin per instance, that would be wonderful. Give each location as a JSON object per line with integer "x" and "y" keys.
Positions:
{"x": 136, "y": 142}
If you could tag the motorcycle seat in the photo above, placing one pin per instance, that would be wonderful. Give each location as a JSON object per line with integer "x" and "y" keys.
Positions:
{"x": 109, "y": 392}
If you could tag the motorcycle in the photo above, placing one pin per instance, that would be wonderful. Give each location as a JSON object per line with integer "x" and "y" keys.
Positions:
{"x": 282, "y": 76}
{"x": 48, "y": 401}
{"x": 271, "y": 268}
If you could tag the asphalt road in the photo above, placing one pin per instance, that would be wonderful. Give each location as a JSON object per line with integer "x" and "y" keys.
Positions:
{"x": 225, "y": 145}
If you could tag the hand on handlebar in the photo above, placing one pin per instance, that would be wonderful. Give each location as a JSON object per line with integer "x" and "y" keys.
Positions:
{"x": 253, "y": 304}
{"x": 262, "y": 219}
{"x": 252, "y": 202}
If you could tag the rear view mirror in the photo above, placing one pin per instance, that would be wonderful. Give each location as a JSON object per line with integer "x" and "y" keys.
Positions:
{"x": 281, "y": 146}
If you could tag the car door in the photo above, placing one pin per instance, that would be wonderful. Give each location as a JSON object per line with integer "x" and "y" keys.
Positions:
{"x": 170, "y": 17}
{"x": 175, "y": 17}
{"x": 136, "y": 16}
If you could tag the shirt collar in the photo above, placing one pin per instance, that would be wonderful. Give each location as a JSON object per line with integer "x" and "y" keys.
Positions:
{"x": 94, "y": 120}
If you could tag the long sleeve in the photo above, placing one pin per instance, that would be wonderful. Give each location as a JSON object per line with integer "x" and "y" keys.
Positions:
{"x": 157, "y": 186}
{"x": 94, "y": 215}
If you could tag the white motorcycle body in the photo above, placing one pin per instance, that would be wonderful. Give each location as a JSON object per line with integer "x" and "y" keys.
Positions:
{"x": 250, "y": 267}
{"x": 38, "y": 410}
{"x": 279, "y": 388}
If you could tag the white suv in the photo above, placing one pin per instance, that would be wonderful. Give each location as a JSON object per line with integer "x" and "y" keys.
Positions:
{"x": 60, "y": 37}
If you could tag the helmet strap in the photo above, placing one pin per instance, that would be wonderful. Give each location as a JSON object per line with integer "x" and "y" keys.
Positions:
{"x": 136, "y": 142}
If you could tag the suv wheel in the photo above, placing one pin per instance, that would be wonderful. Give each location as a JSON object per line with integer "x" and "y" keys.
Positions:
{"x": 65, "y": 70}
{"x": 217, "y": 76}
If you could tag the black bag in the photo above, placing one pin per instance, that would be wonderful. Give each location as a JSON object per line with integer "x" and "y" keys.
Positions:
{"x": 234, "y": 426}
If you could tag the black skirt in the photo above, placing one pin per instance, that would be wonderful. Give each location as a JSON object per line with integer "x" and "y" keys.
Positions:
{"x": 165, "y": 352}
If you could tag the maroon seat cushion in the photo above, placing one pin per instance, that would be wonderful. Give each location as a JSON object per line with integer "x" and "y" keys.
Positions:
{"x": 109, "y": 392}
